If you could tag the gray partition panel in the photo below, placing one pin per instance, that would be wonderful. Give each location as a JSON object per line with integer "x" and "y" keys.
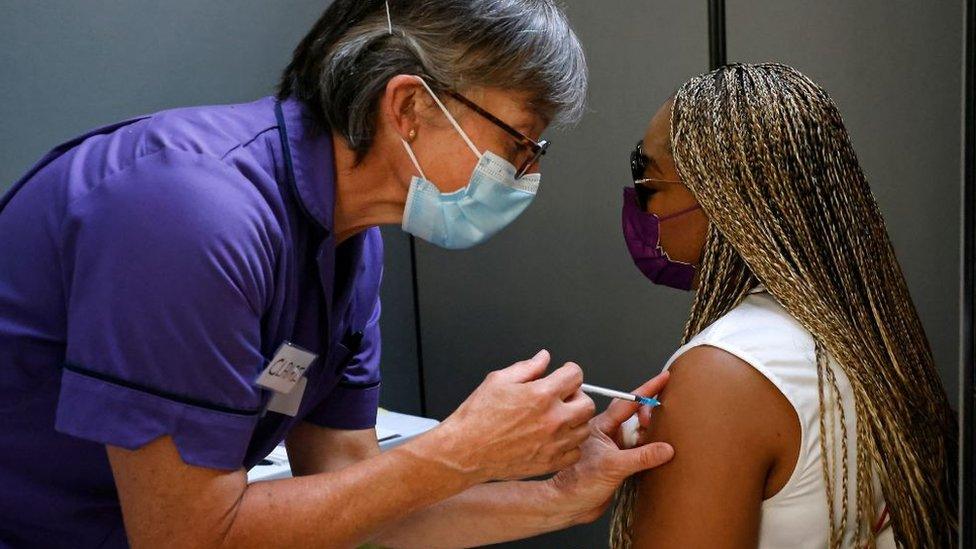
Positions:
{"x": 894, "y": 69}
{"x": 69, "y": 66}
{"x": 560, "y": 277}
{"x": 401, "y": 376}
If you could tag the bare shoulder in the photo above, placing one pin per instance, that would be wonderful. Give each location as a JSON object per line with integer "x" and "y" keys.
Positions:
{"x": 707, "y": 379}
{"x": 734, "y": 435}
{"x": 715, "y": 393}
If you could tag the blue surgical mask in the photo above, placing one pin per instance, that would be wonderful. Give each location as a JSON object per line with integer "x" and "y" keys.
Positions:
{"x": 491, "y": 200}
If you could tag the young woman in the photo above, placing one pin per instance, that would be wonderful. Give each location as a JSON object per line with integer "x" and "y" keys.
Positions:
{"x": 804, "y": 406}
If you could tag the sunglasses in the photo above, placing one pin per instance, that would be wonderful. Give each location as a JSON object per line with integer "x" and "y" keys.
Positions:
{"x": 537, "y": 149}
{"x": 638, "y": 167}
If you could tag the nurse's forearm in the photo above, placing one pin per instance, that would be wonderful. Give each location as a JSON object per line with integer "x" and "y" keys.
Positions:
{"x": 482, "y": 515}
{"x": 347, "y": 507}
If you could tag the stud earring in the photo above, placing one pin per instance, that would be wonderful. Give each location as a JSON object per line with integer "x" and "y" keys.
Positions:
{"x": 412, "y": 135}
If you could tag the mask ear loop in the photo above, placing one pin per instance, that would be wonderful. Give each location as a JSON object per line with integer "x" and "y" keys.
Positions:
{"x": 389, "y": 20}
{"x": 450, "y": 118}
{"x": 413, "y": 158}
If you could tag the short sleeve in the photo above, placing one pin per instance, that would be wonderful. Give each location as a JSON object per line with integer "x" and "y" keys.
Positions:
{"x": 353, "y": 404}
{"x": 168, "y": 266}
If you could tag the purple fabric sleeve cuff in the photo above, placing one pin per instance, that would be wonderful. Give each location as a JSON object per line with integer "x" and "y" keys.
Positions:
{"x": 348, "y": 407}
{"x": 107, "y": 413}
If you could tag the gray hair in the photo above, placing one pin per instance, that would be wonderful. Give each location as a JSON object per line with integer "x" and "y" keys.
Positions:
{"x": 341, "y": 68}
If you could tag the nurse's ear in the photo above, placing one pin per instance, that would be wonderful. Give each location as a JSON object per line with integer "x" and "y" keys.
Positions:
{"x": 404, "y": 104}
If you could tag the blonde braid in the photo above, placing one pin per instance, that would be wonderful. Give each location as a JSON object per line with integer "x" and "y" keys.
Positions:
{"x": 827, "y": 460}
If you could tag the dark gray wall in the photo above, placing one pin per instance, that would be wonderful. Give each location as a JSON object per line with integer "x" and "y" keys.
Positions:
{"x": 69, "y": 66}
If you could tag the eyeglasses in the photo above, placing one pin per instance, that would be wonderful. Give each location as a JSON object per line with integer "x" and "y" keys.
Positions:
{"x": 638, "y": 167}
{"x": 536, "y": 148}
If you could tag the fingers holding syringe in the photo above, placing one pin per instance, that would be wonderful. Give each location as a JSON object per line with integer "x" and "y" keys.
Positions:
{"x": 651, "y": 388}
{"x": 620, "y": 411}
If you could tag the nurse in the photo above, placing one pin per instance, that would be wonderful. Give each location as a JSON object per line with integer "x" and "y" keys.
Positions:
{"x": 182, "y": 291}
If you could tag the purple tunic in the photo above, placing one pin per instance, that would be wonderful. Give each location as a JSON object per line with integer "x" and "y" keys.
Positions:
{"x": 148, "y": 272}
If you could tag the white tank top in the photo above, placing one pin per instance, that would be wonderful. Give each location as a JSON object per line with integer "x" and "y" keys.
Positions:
{"x": 762, "y": 333}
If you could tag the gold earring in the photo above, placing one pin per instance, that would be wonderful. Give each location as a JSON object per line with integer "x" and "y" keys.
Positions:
{"x": 412, "y": 135}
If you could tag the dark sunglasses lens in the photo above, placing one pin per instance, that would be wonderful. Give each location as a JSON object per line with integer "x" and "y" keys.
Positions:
{"x": 638, "y": 162}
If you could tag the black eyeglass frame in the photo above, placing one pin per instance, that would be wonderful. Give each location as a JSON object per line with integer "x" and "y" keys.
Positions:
{"x": 538, "y": 148}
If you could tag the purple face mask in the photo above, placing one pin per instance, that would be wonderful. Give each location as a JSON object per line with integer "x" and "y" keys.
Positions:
{"x": 642, "y": 232}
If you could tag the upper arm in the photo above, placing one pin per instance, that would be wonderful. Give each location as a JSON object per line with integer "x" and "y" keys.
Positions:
{"x": 730, "y": 428}
{"x": 166, "y": 502}
{"x": 313, "y": 449}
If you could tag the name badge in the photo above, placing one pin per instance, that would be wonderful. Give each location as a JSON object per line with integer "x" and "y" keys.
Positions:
{"x": 288, "y": 403}
{"x": 286, "y": 368}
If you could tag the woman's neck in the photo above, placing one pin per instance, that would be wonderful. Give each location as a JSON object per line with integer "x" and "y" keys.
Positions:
{"x": 368, "y": 194}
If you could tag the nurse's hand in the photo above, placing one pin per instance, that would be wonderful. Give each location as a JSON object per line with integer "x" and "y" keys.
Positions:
{"x": 586, "y": 489}
{"x": 518, "y": 424}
